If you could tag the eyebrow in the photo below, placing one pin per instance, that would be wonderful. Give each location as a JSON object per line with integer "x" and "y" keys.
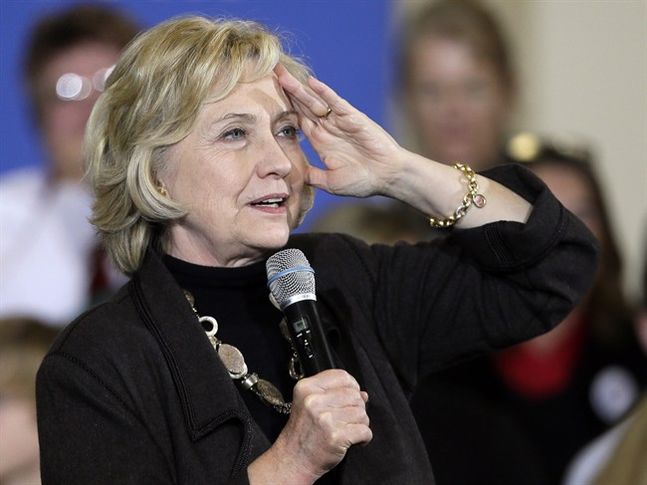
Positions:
{"x": 284, "y": 114}
{"x": 250, "y": 118}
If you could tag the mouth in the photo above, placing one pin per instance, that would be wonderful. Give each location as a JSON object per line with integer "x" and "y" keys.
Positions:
{"x": 273, "y": 203}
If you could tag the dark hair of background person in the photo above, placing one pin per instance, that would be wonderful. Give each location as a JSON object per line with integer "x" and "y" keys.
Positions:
{"x": 608, "y": 308}
{"x": 464, "y": 21}
{"x": 60, "y": 31}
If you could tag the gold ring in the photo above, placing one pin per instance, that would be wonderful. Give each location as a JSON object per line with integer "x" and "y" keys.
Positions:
{"x": 328, "y": 111}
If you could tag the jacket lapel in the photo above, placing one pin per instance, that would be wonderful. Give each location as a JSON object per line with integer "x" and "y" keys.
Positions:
{"x": 207, "y": 393}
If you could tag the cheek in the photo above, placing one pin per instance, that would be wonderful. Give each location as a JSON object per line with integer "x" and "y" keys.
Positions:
{"x": 302, "y": 195}
{"x": 66, "y": 119}
{"x": 493, "y": 109}
{"x": 199, "y": 185}
{"x": 423, "y": 110}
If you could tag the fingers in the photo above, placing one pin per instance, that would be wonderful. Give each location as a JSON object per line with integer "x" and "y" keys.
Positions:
{"x": 332, "y": 398}
{"x": 328, "y": 379}
{"x": 328, "y": 417}
{"x": 317, "y": 178}
{"x": 359, "y": 434}
{"x": 341, "y": 416}
{"x": 343, "y": 399}
{"x": 311, "y": 104}
{"x": 314, "y": 99}
{"x": 338, "y": 104}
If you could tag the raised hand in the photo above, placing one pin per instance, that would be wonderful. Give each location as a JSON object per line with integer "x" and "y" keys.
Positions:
{"x": 361, "y": 158}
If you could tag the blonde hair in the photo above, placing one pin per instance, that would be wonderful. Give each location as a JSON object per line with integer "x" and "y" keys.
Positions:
{"x": 151, "y": 102}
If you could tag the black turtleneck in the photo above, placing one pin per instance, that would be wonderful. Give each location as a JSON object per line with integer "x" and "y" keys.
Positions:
{"x": 238, "y": 299}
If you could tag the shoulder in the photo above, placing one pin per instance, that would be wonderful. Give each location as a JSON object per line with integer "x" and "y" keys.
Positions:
{"x": 22, "y": 189}
{"x": 105, "y": 335}
{"x": 22, "y": 181}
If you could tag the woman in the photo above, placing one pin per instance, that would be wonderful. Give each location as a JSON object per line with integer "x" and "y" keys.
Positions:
{"x": 195, "y": 159}
{"x": 456, "y": 82}
{"x": 456, "y": 87}
{"x": 554, "y": 393}
{"x": 23, "y": 344}
{"x": 66, "y": 61}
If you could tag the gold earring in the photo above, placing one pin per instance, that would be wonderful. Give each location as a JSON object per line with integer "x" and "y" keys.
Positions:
{"x": 162, "y": 191}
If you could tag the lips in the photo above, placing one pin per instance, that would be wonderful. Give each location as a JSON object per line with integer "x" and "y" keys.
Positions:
{"x": 270, "y": 201}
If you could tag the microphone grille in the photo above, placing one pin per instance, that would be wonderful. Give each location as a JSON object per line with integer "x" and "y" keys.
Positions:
{"x": 289, "y": 274}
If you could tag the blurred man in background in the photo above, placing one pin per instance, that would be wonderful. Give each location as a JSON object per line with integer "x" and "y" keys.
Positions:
{"x": 50, "y": 268}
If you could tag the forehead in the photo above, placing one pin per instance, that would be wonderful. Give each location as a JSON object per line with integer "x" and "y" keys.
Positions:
{"x": 84, "y": 59}
{"x": 440, "y": 53}
{"x": 261, "y": 95}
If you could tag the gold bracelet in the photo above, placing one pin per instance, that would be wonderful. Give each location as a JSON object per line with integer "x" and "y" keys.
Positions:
{"x": 472, "y": 197}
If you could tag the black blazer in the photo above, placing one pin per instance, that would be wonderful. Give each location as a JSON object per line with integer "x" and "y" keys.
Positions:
{"x": 132, "y": 391}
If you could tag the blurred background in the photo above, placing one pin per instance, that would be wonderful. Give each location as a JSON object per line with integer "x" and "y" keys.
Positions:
{"x": 582, "y": 76}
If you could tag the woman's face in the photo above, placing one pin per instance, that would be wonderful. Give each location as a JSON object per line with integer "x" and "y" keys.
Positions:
{"x": 240, "y": 175}
{"x": 63, "y": 121}
{"x": 456, "y": 103}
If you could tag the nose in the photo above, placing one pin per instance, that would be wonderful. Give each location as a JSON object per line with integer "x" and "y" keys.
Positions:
{"x": 274, "y": 160}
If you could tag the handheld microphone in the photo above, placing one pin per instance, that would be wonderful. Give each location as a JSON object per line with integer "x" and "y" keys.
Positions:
{"x": 291, "y": 281}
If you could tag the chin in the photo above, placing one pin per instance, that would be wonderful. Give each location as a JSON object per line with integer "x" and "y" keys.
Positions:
{"x": 274, "y": 238}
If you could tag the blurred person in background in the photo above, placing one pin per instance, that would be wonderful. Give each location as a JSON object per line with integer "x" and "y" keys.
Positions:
{"x": 456, "y": 87}
{"x": 558, "y": 391}
{"x": 527, "y": 410}
{"x": 618, "y": 456}
{"x": 456, "y": 83}
{"x": 47, "y": 244}
{"x": 23, "y": 344}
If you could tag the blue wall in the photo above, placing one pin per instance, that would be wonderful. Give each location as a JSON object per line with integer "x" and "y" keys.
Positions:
{"x": 344, "y": 41}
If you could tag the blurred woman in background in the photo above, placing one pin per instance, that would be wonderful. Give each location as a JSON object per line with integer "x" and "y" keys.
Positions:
{"x": 456, "y": 83}
{"x": 553, "y": 394}
{"x": 23, "y": 344}
{"x": 456, "y": 87}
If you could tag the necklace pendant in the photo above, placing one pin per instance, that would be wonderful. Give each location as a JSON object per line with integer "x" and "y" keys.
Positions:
{"x": 233, "y": 360}
{"x": 269, "y": 394}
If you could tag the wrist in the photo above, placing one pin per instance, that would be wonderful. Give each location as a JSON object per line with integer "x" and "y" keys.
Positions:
{"x": 396, "y": 180}
{"x": 429, "y": 186}
{"x": 279, "y": 465}
{"x": 471, "y": 198}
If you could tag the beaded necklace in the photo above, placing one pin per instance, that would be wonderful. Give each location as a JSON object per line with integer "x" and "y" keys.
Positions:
{"x": 234, "y": 362}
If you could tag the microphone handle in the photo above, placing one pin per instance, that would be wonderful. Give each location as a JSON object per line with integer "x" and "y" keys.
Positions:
{"x": 304, "y": 327}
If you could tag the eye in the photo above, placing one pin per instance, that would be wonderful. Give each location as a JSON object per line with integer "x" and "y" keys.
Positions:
{"x": 291, "y": 132}
{"x": 429, "y": 91}
{"x": 475, "y": 88}
{"x": 234, "y": 134}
